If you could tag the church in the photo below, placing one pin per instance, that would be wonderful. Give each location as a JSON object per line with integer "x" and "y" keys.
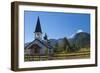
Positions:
{"x": 39, "y": 46}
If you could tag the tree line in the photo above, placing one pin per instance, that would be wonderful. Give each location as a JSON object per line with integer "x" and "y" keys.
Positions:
{"x": 66, "y": 46}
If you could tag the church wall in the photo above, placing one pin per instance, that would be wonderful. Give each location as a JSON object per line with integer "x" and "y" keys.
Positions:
{"x": 27, "y": 51}
{"x": 43, "y": 49}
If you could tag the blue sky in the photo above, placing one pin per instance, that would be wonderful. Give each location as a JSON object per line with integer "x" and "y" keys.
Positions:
{"x": 55, "y": 24}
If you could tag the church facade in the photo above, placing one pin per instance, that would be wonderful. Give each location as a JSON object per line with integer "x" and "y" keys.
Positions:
{"x": 39, "y": 46}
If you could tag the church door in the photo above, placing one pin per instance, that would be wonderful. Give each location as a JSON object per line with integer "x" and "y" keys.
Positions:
{"x": 35, "y": 49}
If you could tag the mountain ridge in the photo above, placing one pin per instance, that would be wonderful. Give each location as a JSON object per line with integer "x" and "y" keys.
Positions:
{"x": 81, "y": 39}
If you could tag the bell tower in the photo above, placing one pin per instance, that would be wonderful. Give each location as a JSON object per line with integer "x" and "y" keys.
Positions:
{"x": 38, "y": 31}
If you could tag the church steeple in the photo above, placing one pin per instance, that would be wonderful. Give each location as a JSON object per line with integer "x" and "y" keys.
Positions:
{"x": 38, "y": 26}
{"x": 38, "y": 30}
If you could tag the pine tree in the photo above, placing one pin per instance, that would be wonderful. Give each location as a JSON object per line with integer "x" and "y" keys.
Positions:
{"x": 45, "y": 37}
{"x": 66, "y": 44}
{"x": 56, "y": 49}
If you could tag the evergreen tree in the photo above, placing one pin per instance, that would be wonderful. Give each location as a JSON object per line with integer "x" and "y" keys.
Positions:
{"x": 74, "y": 48}
{"x": 56, "y": 49}
{"x": 66, "y": 44}
{"x": 45, "y": 37}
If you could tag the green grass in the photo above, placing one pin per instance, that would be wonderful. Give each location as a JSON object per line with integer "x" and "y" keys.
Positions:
{"x": 83, "y": 53}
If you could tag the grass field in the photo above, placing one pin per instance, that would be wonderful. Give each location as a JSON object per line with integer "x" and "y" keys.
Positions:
{"x": 85, "y": 53}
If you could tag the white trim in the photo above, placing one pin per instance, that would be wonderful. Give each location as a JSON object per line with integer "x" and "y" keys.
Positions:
{"x": 23, "y": 64}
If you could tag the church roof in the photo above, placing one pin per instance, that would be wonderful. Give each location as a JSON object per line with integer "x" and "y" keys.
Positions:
{"x": 31, "y": 43}
{"x": 42, "y": 42}
{"x": 38, "y": 26}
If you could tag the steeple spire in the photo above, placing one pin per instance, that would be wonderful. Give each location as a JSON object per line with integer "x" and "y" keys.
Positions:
{"x": 38, "y": 26}
{"x": 38, "y": 31}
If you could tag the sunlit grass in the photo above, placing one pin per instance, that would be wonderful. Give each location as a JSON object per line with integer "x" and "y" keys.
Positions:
{"x": 83, "y": 53}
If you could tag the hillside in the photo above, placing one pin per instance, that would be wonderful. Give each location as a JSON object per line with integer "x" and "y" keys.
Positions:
{"x": 81, "y": 39}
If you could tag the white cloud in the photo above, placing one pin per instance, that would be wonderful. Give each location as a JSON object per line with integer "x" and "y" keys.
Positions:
{"x": 78, "y": 31}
